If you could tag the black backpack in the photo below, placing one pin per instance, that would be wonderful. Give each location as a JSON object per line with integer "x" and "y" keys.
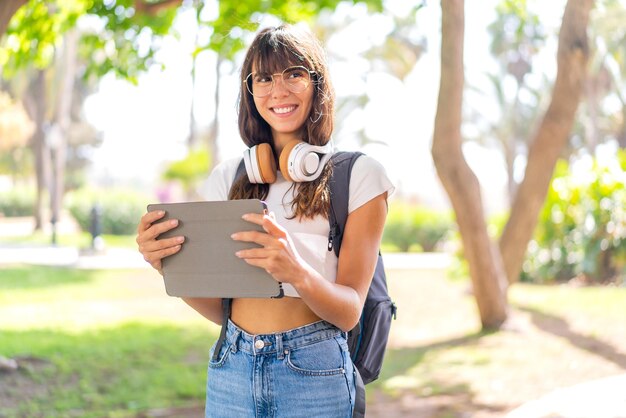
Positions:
{"x": 367, "y": 341}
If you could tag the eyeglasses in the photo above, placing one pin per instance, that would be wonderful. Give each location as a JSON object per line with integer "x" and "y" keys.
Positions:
{"x": 296, "y": 79}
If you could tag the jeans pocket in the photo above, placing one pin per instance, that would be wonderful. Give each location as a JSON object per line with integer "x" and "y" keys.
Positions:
{"x": 323, "y": 358}
{"x": 221, "y": 357}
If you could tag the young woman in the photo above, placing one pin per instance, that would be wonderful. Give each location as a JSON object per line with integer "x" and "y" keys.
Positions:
{"x": 288, "y": 357}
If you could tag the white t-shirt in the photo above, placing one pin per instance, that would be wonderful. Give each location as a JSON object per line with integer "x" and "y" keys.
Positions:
{"x": 310, "y": 236}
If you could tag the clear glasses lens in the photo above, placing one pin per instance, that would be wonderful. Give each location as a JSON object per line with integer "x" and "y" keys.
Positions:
{"x": 296, "y": 79}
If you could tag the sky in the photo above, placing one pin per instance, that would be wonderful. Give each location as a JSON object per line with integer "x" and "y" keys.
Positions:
{"x": 147, "y": 125}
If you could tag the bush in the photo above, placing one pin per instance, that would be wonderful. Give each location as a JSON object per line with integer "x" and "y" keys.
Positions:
{"x": 18, "y": 202}
{"x": 582, "y": 226}
{"x": 409, "y": 227}
{"x": 120, "y": 209}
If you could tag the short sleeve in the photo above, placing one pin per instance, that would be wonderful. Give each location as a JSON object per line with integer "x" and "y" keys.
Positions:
{"x": 368, "y": 180}
{"x": 219, "y": 182}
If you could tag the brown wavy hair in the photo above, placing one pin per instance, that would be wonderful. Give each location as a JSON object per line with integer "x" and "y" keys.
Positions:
{"x": 273, "y": 50}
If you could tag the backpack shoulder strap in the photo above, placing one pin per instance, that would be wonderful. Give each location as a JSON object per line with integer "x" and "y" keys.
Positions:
{"x": 241, "y": 170}
{"x": 339, "y": 195}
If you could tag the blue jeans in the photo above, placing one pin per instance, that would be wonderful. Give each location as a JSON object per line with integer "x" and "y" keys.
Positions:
{"x": 303, "y": 372}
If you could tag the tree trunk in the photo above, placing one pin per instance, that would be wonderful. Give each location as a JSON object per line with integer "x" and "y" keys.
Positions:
{"x": 66, "y": 73}
{"x": 459, "y": 181}
{"x": 35, "y": 104}
{"x": 550, "y": 138}
{"x": 7, "y": 10}
{"x": 215, "y": 127}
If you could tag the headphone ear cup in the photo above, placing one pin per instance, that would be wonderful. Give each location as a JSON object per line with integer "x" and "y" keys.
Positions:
{"x": 266, "y": 163}
{"x": 284, "y": 158}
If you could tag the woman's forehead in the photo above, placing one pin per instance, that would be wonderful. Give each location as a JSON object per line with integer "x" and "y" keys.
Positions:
{"x": 275, "y": 61}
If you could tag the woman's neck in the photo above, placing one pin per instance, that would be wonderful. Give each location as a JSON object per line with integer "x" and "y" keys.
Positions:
{"x": 282, "y": 139}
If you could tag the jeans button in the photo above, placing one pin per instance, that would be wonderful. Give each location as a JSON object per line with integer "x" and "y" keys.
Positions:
{"x": 259, "y": 344}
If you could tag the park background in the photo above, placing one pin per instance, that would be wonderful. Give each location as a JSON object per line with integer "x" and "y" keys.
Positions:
{"x": 114, "y": 104}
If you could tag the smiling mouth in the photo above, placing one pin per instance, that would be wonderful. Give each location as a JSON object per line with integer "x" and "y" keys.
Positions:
{"x": 284, "y": 110}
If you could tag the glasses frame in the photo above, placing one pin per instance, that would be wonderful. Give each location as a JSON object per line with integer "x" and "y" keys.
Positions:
{"x": 248, "y": 82}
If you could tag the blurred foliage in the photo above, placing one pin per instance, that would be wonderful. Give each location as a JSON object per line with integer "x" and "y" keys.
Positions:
{"x": 122, "y": 36}
{"x": 15, "y": 130}
{"x": 190, "y": 169}
{"x": 34, "y": 31}
{"x": 114, "y": 37}
{"x": 237, "y": 18}
{"x": 128, "y": 40}
{"x": 15, "y": 125}
{"x": 120, "y": 209}
{"x": 19, "y": 201}
{"x": 410, "y": 227}
{"x": 517, "y": 36}
{"x": 582, "y": 227}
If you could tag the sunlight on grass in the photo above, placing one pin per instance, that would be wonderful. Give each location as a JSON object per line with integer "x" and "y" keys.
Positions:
{"x": 70, "y": 299}
{"x": 607, "y": 302}
{"x": 495, "y": 368}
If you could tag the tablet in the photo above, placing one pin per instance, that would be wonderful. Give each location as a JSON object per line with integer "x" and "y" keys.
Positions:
{"x": 206, "y": 265}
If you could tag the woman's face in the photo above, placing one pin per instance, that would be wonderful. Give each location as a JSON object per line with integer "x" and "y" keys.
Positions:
{"x": 285, "y": 111}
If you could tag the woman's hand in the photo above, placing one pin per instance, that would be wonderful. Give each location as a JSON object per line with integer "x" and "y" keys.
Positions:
{"x": 277, "y": 254}
{"x": 154, "y": 250}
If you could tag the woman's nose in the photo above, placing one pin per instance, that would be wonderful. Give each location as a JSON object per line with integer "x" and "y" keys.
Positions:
{"x": 280, "y": 87}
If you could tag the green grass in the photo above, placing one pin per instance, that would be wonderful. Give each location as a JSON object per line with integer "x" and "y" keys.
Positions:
{"x": 111, "y": 343}
{"x": 104, "y": 372}
{"x": 97, "y": 344}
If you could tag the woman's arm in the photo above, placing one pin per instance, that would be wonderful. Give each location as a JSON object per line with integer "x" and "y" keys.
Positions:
{"x": 339, "y": 303}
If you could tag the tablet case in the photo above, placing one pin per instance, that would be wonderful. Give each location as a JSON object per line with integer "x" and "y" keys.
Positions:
{"x": 206, "y": 265}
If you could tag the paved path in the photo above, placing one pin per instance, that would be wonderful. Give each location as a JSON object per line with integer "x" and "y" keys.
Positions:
{"x": 123, "y": 258}
{"x": 603, "y": 398}
{"x": 47, "y": 255}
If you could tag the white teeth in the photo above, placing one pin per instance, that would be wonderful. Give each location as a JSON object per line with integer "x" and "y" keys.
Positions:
{"x": 281, "y": 110}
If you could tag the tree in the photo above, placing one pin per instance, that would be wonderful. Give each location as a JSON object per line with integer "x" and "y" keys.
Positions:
{"x": 7, "y": 10}
{"x": 43, "y": 35}
{"x": 516, "y": 36}
{"x": 551, "y": 136}
{"x": 490, "y": 265}
{"x": 459, "y": 181}
{"x": 606, "y": 84}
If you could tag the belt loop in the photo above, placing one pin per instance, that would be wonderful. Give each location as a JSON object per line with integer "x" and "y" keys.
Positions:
{"x": 279, "y": 346}
{"x": 233, "y": 340}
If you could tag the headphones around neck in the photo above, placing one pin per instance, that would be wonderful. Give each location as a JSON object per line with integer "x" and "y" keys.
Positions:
{"x": 298, "y": 162}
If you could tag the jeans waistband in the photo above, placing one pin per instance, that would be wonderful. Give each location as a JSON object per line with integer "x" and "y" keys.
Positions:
{"x": 280, "y": 342}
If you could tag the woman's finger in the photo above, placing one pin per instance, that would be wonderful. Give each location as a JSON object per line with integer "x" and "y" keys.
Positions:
{"x": 156, "y": 256}
{"x": 161, "y": 244}
{"x": 257, "y": 237}
{"x": 157, "y": 229}
{"x": 255, "y": 218}
{"x": 272, "y": 227}
{"x": 262, "y": 252}
{"x": 148, "y": 218}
